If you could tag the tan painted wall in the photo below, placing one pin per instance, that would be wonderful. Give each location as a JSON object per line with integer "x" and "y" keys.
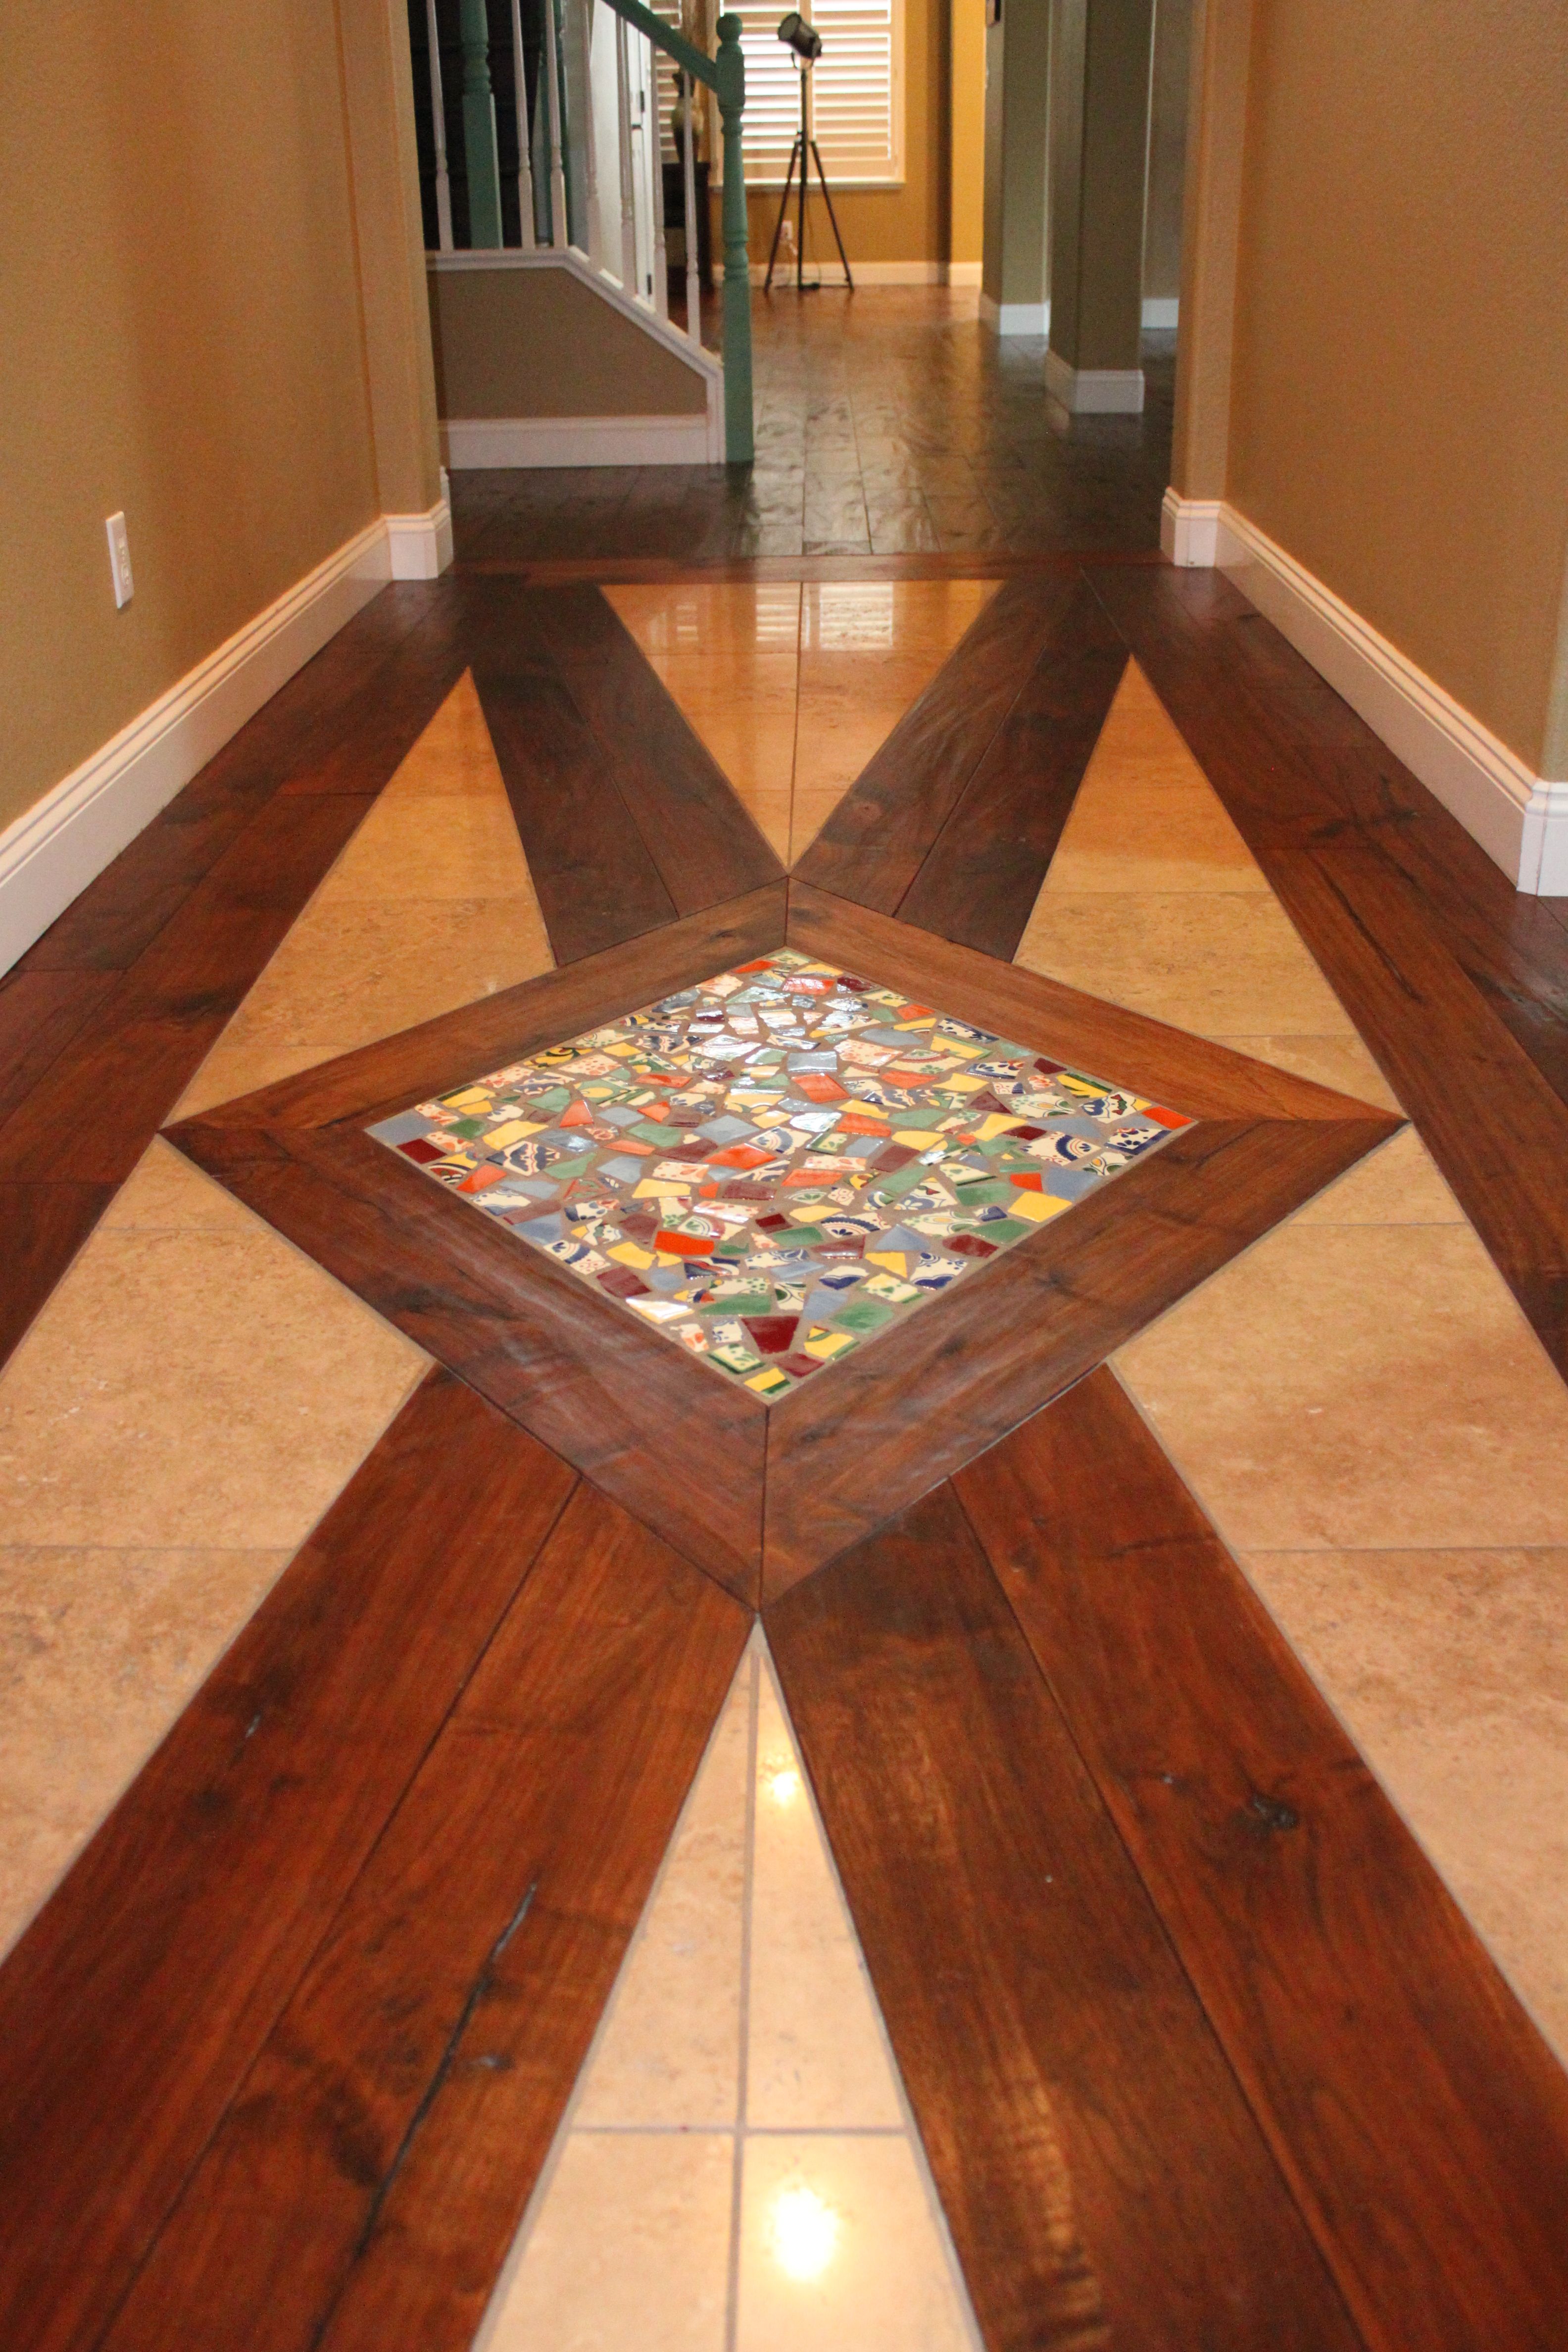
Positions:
{"x": 966, "y": 128}
{"x": 907, "y": 224}
{"x": 184, "y": 340}
{"x": 538, "y": 343}
{"x": 1399, "y": 400}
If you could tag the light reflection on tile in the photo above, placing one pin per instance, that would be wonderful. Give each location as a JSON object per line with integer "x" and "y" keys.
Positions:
{"x": 774, "y": 1165}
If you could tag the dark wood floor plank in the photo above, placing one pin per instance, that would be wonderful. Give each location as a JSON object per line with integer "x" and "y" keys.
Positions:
{"x": 135, "y": 1055}
{"x": 375, "y": 2161}
{"x": 382, "y": 1078}
{"x": 706, "y": 846}
{"x": 138, "y": 1998}
{"x": 596, "y": 879}
{"x": 40, "y": 1014}
{"x": 595, "y": 1384}
{"x": 981, "y": 874}
{"x": 1102, "y": 2177}
{"x": 872, "y": 846}
{"x": 1421, "y": 2120}
{"x": 926, "y": 1396}
{"x": 1169, "y": 1066}
{"x": 44, "y": 1225}
{"x": 328, "y": 704}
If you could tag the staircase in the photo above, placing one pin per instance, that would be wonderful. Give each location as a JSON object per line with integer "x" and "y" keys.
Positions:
{"x": 544, "y": 130}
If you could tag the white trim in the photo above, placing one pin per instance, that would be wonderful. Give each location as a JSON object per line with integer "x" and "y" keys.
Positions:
{"x": 420, "y": 545}
{"x": 1161, "y": 310}
{"x": 53, "y": 850}
{"x": 1189, "y": 529}
{"x": 1014, "y": 318}
{"x": 963, "y": 273}
{"x": 477, "y": 442}
{"x": 1520, "y": 819}
{"x": 1094, "y": 392}
{"x": 609, "y": 290}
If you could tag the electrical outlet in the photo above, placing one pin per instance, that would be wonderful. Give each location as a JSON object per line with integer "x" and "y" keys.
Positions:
{"x": 120, "y": 561}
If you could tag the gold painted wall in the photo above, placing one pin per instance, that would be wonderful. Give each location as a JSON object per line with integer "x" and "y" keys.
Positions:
{"x": 1399, "y": 396}
{"x": 183, "y": 342}
{"x": 966, "y": 128}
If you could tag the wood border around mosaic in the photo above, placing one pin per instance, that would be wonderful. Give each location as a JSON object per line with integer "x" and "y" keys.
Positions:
{"x": 863, "y": 1438}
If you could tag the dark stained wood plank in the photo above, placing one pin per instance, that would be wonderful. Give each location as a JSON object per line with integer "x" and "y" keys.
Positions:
{"x": 1169, "y": 1066}
{"x": 382, "y": 1078}
{"x": 134, "y": 1056}
{"x": 596, "y": 879}
{"x": 346, "y": 687}
{"x": 138, "y": 1998}
{"x": 981, "y": 874}
{"x": 704, "y": 844}
{"x": 913, "y": 1404}
{"x": 1312, "y": 809}
{"x": 44, "y": 1225}
{"x": 615, "y": 1398}
{"x": 40, "y": 1013}
{"x": 873, "y": 845}
{"x": 1102, "y": 2177}
{"x": 1420, "y": 2119}
{"x": 374, "y": 2163}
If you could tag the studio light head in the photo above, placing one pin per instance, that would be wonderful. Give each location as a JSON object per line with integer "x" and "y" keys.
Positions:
{"x": 803, "y": 38}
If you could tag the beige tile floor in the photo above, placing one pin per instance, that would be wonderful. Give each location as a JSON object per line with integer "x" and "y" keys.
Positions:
{"x": 738, "y": 2173}
{"x": 1357, "y": 1401}
{"x": 776, "y": 680}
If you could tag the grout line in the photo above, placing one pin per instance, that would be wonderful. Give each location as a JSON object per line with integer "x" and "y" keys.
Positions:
{"x": 737, "y": 2175}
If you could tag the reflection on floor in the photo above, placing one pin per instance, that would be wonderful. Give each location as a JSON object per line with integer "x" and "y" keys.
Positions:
{"x": 777, "y": 1164}
{"x": 739, "y": 2171}
{"x": 888, "y": 421}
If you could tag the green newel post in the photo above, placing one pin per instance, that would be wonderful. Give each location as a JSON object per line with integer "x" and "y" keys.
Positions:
{"x": 479, "y": 128}
{"x": 738, "y": 445}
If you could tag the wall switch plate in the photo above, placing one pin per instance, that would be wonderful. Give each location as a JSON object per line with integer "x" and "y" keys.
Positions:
{"x": 120, "y": 561}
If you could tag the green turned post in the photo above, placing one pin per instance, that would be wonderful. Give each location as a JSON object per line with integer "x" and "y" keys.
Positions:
{"x": 738, "y": 445}
{"x": 479, "y": 128}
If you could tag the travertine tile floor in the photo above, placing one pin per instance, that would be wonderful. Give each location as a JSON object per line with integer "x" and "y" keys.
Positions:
{"x": 1357, "y": 1401}
{"x": 739, "y": 2171}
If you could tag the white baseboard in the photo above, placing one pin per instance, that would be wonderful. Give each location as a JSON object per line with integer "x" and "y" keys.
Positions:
{"x": 871, "y": 273}
{"x": 50, "y": 853}
{"x": 1094, "y": 392}
{"x": 1189, "y": 529}
{"x": 1016, "y": 318}
{"x": 1520, "y": 819}
{"x": 419, "y": 546}
{"x": 1161, "y": 310}
{"x": 477, "y": 442}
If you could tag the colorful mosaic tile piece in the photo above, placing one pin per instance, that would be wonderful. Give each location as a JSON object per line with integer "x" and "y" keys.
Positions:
{"x": 775, "y": 1165}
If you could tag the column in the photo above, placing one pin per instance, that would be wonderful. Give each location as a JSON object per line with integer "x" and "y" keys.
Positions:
{"x": 1015, "y": 278}
{"x": 1100, "y": 55}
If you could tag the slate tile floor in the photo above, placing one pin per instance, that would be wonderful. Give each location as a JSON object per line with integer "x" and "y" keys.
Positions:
{"x": 889, "y": 422}
{"x": 774, "y": 1165}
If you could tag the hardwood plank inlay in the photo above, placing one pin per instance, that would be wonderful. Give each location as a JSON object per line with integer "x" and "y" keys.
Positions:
{"x": 135, "y": 2003}
{"x": 1420, "y": 2119}
{"x": 1104, "y": 2181}
{"x": 369, "y": 2174}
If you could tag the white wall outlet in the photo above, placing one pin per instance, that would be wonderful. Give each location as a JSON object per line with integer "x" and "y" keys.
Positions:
{"x": 120, "y": 561}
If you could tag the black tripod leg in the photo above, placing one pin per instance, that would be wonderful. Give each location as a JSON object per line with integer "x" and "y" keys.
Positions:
{"x": 833, "y": 216}
{"x": 783, "y": 207}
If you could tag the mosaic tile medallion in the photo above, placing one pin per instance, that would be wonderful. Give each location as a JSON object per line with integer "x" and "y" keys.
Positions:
{"x": 775, "y": 1165}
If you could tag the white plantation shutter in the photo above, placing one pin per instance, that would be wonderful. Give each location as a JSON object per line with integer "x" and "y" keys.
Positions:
{"x": 856, "y": 89}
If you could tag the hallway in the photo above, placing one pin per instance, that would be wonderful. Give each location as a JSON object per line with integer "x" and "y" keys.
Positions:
{"x": 1020, "y": 1802}
{"x": 889, "y": 422}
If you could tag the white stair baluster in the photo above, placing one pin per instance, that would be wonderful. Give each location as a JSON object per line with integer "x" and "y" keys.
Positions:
{"x": 693, "y": 276}
{"x": 623, "y": 120}
{"x": 653, "y": 147}
{"x": 583, "y": 18}
{"x": 438, "y": 120}
{"x": 524, "y": 130}
{"x": 552, "y": 102}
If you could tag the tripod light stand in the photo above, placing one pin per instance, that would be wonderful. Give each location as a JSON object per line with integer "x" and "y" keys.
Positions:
{"x": 806, "y": 43}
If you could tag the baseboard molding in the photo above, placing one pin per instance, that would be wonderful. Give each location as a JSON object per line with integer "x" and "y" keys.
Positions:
{"x": 1094, "y": 392}
{"x": 476, "y": 443}
{"x": 872, "y": 273}
{"x": 1519, "y": 818}
{"x": 1014, "y": 318}
{"x": 1161, "y": 310}
{"x": 50, "y": 853}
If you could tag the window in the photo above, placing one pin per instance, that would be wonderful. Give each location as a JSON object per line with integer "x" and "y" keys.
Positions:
{"x": 856, "y": 91}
